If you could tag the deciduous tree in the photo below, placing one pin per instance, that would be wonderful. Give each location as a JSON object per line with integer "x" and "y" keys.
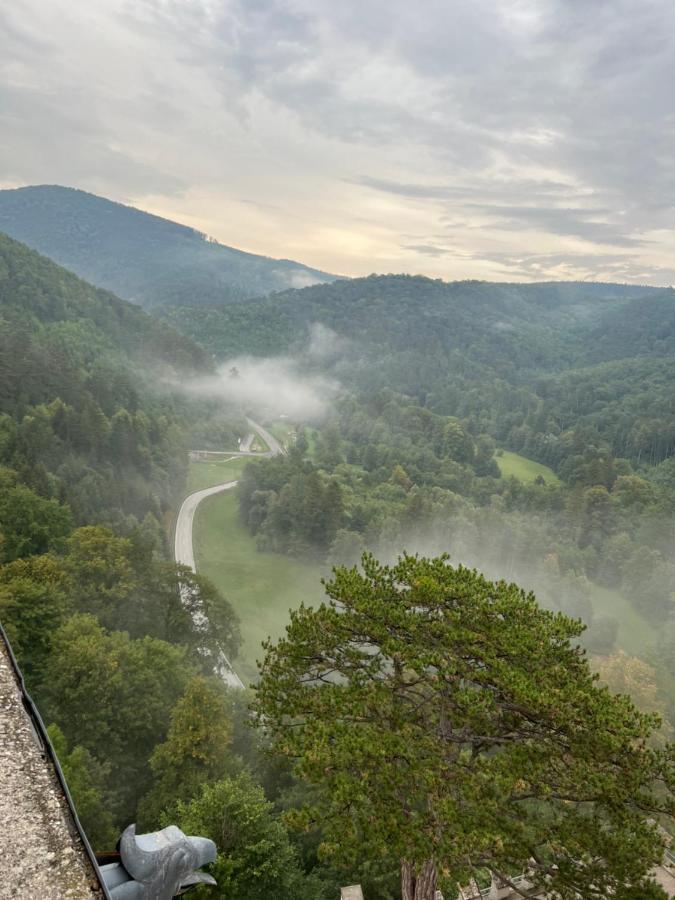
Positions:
{"x": 256, "y": 858}
{"x": 196, "y": 749}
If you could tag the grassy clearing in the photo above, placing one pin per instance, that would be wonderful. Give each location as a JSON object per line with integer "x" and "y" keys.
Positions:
{"x": 635, "y": 634}
{"x": 524, "y": 469}
{"x": 261, "y": 587}
{"x": 207, "y": 474}
{"x": 310, "y": 434}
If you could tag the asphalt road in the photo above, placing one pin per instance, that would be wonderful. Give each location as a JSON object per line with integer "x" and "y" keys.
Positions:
{"x": 275, "y": 447}
{"x": 183, "y": 551}
{"x": 183, "y": 548}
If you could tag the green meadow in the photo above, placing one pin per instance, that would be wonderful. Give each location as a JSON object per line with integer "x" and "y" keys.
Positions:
{"x": 524, "y": 469}
{"x": 261, "y": 586}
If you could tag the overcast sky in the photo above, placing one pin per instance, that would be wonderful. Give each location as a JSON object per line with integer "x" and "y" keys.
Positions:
{"x": 498, "y": 139}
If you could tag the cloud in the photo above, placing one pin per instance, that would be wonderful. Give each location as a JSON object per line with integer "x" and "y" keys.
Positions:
{"x": 587, "y": 224}
{"x": 299, "y": 279}
{"x": 428, "y": 249}
{"x": 327, "y": 132}
{"x": 267, "y": 388}
{"x": 325, "y": 345}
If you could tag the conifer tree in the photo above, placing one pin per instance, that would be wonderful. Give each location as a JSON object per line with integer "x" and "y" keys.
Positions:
{"x": 452, "y": 724}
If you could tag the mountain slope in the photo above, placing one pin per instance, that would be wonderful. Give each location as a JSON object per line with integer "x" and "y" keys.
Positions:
{"x": 146, "y": 259}
{"x": 81, "y": 417}
{"x": 513, "y": 327}
{"x": 522, "y": 362}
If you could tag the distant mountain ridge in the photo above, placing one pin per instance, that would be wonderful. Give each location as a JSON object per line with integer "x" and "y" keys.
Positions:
{"x": 139, "y": 256}
{"x": 546, "y": 326}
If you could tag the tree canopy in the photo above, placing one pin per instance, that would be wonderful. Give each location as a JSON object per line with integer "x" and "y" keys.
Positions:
{"x": 453, "y": 724}
{"x": 256, "y": 859}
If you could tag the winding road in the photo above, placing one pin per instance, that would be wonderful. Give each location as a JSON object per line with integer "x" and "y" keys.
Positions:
{"x": 275, "y": 447}
{"x": 183, "y": 547}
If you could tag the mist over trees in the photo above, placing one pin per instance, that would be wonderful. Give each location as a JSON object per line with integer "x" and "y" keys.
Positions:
{"x": 434, "y": 710}
{"x": 99, "y": 404}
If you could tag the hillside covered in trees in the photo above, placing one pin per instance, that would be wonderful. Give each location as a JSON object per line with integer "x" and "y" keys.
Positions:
{"x": 85, "y": 419}
{"x": 437, "y": 381}
{"x": 523, "y": 363}
{"x": 118, "y": 645}
{"x": 141, "y": 257}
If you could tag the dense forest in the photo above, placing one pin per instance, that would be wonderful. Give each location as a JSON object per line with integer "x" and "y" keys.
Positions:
{"x": 409, "y": 455}
{"x": 523, "y": 363}
{"x": 118, "y": 645}
{"x": 437, "y": 382}
{"x": 141, "y": 257}
{"x": 85, "y": 419}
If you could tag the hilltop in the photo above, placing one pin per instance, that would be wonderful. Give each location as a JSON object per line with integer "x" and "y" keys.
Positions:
{"x": 141, "y": 257}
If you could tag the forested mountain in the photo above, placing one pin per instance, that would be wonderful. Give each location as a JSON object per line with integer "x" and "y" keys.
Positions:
{"x": 523, "y": 363}
{"x": 440, "y": 380}
{"x": 514, "y": 328}
{"x": 143, "y": 258}
{"x": 82, "y": 419}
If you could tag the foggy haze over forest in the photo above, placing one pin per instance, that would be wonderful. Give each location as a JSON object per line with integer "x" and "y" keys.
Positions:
{"x": 337, "y": 449}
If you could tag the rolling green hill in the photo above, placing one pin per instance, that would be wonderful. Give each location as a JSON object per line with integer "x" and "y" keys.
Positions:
{"x": 512, "y": 328}
{"x": 84, "y": 417}
{"x": 524, "y": 363}
{"x": 143, "y": 258}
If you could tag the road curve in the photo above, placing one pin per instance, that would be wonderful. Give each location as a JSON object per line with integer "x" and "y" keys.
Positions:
{"x": 183, "y": 547}
{"x": 275, "y": 447}
{"x": 183, "y": 551}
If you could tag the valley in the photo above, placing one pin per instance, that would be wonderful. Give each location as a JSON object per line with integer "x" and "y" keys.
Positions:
{"x": 411, "y": 423}
{"x": 337, "y": 450}
{"x": 261, "y": 586}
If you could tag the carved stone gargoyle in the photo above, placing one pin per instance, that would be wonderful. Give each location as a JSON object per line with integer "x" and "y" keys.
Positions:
{"x": 159, "y": 865}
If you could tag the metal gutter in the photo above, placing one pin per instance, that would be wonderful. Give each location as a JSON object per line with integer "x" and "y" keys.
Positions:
{"x": 46, "y": 746}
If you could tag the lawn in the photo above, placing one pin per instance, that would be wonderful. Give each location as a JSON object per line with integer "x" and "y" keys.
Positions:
{"x": 523, "y": 468}
{"x": 206, "y": 474}
{"x": 635, "y": 634}
{"x": 262, "y": 587}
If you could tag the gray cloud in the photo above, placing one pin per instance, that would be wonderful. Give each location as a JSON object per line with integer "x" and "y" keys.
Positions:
{"x": 267, "y": 387}
{"x": 427, "y": 249}
{"x": 561, "y": 220}
{"x": 485, "y": 138}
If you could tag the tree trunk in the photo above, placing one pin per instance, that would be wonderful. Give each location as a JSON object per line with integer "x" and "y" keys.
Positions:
{"x": 418, "y": 883}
